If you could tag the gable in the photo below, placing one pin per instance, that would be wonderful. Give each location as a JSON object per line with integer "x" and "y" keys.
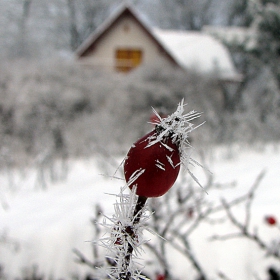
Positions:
{"x": 125, "y": 31}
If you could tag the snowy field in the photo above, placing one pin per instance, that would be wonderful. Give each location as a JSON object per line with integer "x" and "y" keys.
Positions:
{"x": 44, "y": 225}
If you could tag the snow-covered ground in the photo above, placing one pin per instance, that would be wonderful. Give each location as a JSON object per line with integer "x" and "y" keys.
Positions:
{"x": 47, "y": 224}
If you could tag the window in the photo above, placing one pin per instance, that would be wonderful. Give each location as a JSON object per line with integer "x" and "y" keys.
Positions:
{"x": 127, "y": 59}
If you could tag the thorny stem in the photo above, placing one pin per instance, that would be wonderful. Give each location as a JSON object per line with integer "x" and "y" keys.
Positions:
{"x": 125, "y": 274}
{"x": 138, "y": 208}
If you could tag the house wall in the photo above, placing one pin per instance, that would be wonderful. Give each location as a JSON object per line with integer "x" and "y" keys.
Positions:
{"x": 126, "y": 33}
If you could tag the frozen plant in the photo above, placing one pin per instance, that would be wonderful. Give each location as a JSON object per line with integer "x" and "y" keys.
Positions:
{"x": 244, "y": 227}
{"x": 125, "y": 236}
{"x": 151, "y": 168}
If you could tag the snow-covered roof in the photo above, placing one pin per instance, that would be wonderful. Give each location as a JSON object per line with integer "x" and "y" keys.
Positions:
{"x": 234, "y": 35}
{"x": 198, "y": 51}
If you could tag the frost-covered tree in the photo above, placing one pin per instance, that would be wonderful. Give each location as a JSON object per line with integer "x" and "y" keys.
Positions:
{"x": 255, "y": 49}
{"x": 85, "y": 16}
{"x": 267, "y": 20}
{"x": 238, "y": 13}
{"x": 45, "y": 28}
{"x": 193, "y": 15}
{"x": 266, "y": 53}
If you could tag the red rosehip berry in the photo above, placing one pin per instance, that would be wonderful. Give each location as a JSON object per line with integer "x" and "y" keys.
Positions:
{"x": 270, "y": 220}
{"x": 159, "y": 164}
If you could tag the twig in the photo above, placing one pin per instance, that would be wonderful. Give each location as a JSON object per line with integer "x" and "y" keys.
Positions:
{"x": 187, "y": 251}
{"x": 125, "y": 274}
{"x": 223, "y": 276}
{"x": 244, "y": 227}
{"x": 83, "y": 260}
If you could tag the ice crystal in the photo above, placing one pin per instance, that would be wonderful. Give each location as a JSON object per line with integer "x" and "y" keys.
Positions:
{"x": 177, "y": 126}
{"x": 124, "y": 238}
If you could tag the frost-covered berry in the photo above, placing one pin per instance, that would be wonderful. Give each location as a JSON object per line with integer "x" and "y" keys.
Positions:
{"x": 270, "y": 220}
{"x": 153, "y": 162}
{"x": 153, "y": 169}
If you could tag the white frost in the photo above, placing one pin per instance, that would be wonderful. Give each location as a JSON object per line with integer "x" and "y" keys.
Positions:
{"x": 177, "y": 126}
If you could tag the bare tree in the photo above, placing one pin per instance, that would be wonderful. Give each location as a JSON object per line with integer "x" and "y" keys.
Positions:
{"x": 238, "y": 13}
{"x": 187, "y": 14}
{"x": 23, "y": 49}
{"x": 74, "y": 34}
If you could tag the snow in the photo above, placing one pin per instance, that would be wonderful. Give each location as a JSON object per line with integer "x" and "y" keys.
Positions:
{"x": 198, "y": 51}
{"x": 234, "y": 35}
{"x": 48, "y": 224}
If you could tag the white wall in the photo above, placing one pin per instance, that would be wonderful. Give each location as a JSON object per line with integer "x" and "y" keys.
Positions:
{"x": 125, "y": 34}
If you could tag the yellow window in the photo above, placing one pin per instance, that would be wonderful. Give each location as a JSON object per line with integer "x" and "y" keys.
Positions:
{"x": 127, "y": 59}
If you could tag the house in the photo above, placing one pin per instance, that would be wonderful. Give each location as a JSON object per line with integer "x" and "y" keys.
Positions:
{"x": 124, "y": 42}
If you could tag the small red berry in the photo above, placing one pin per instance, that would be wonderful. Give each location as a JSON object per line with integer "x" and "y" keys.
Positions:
{"x": 270, "y": 220}
{"x": 190, "y": 212}
{"x": 159, "y": 162}
{"x": 160, "y": 277}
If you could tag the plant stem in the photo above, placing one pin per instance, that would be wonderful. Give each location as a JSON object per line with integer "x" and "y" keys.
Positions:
{"x": 138, "y": 210}
{"x": 141, "y": 200}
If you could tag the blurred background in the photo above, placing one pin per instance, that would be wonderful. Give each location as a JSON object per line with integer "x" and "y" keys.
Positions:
{"x": 57, "y": 109}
